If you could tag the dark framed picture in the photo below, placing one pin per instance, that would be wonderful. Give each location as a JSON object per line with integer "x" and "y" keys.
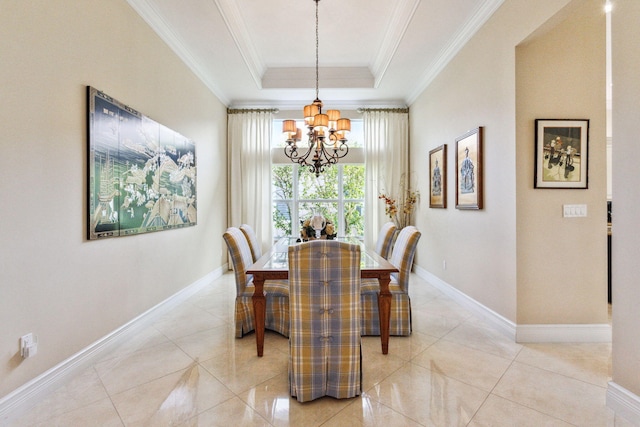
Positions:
{"x": 562, "y": 153}
{"x": 469, "y": 170}
{"x": 438, "y": 177}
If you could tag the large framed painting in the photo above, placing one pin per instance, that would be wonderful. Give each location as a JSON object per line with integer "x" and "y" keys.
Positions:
{"x": 142, "y": 175}
{"x": 438, "y": 177}
{"x": 562, "y": 153}
{"x": 469, "y": 170}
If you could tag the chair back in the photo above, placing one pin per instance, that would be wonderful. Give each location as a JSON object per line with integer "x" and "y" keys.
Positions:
{"x": 254, "y": 243}
{"x": 240, "y": 257}
{"x": 402, "y": 256}
{"x": 385, "y": 239}
{"x": 324, "y": 334}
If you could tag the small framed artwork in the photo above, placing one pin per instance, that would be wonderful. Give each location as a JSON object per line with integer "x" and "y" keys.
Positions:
{"x": 469, "y": 170}
{"x": 562, "y": 153}
{"x": 438, "y": 177}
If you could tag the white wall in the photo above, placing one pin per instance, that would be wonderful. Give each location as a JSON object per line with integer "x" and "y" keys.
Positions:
{"x": 477, "y": 88}
{"x": 562, "y": 262}
{"x": 53, "y": 282}
{"x": 626, "y": 196}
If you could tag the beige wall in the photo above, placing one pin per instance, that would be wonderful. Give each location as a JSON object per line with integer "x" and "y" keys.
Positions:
{"x": 70, "y": 292}
{"x": 53, "y": 282}
{"x": 562, "y": 262}
{"x": 626, "y": 182}
{"x": 476, "y": 89}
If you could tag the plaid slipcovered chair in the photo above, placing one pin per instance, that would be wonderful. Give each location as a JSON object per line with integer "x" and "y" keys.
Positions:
{"x": 254, "y": 243}
{"x": 385, "y": 239}
{"x": 325, "y": 356}
{"x": 402, "y": 255}
{"x": 276, "y": 291}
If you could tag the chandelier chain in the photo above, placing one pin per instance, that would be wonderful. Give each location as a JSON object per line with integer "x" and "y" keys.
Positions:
{"x": 326, "y": 132}
{"x": 317, "y": 49}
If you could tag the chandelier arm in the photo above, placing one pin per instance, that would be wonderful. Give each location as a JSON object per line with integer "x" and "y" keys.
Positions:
{"x": 338, "y": 146}
{"x": 291, "y": 152}
{"x": 331, "y": 155}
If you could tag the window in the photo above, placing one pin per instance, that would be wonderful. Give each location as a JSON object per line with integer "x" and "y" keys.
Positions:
{"x": 337, "y": 194}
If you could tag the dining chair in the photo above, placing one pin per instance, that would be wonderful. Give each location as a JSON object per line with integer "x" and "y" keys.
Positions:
{"x": 385, "y": 239}
{"x": 325, "y": 357}
{"x": 276, "y": 291}
{"x": 254, "y": 243}
{"x": 400, "y": 319}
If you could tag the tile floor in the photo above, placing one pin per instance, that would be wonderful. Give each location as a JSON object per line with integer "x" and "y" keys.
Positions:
{"x": 454, "y": 370}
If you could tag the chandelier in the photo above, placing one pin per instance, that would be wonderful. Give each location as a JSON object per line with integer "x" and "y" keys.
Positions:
{"x": 327, "y": 133}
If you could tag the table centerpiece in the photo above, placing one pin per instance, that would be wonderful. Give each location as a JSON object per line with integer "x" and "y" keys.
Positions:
{"x": 317, "y": 227}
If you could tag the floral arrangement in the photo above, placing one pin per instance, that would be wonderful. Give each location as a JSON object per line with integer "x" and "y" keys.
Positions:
{"x": 399, "y": 209}
{"x": 308, "y": 232}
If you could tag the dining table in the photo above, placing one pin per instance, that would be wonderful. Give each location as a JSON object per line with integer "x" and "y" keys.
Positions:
{"x": 274, "y": 264}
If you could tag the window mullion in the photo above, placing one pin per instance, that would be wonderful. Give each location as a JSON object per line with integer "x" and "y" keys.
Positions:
{"x": 341, "y": 231}
{"x": 295, "y": 226}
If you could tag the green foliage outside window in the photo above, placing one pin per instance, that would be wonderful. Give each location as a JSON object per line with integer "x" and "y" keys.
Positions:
{"x": 320, "y": 195}
{"x": 282, "y": 176}
{"x": 323, "y": 187}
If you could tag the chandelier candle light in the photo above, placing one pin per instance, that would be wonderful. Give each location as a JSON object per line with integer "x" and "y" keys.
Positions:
{"x": 327, "y": 132}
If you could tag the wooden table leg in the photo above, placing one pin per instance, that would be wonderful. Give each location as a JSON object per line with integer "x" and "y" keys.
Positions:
{"x": 384, "y": 310}
{"x": 259, "y": 309}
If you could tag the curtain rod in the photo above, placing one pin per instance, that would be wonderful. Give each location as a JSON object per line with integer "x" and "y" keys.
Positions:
{"x": 251, "y": 110}
{"x": 388, "y": 110}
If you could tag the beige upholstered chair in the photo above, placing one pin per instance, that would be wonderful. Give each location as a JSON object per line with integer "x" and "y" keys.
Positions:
{"x": 404, "y": 250}
{"x": 385, "y": 239}
{"x": 276, "y": 291}
{"x": 324, "y": 339}
{"x": 254, "y": 243}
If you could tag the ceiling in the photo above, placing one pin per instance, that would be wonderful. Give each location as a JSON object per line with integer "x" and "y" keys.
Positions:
{"x": 261, "y": 53}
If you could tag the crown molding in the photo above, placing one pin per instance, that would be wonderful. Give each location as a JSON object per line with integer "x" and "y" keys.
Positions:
{"x": 398, "y": 25}
{"x": 462, "y": 37}
{"x": 296, "y": 105}
{"x": 154, "y": 19}
{"x": 236, "y": 25}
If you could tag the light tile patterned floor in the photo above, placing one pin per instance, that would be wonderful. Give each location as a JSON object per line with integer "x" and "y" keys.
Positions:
{"x": 454, "y": 370}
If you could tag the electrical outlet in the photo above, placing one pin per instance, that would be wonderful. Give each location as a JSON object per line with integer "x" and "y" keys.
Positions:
{"x": 28, "y": 346}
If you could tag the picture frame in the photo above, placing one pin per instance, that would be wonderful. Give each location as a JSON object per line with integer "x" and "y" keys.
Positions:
{"x": 562, "y": 153}
{"x": 469, "y": 170}
{"x": 438, "y": 177}
{"x": 141, "y": 174}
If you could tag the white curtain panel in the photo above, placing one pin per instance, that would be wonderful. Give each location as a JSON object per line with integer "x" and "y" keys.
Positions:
{"x": 386, "y": 141}
{"x": 249, "y": 145}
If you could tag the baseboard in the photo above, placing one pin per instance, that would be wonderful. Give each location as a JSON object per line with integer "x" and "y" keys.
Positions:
{"x": 564, "y": 333}
{"x": 499, "y": 321}
{"x": 24, "y": 397}
{"x": 623, "y": 403}
{"x": 522, "y": 333}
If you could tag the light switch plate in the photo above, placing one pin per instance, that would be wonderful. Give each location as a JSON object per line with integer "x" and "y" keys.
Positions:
{"x": 574, "y": 211}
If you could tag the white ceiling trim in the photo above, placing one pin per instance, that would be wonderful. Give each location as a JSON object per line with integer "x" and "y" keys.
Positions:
{"x": 398, "y": 25}
{"x": 151, "y": 16}
{"x": 297, "y": 105}
{"x": 461, "y": 38}
{"x": 236, "y": 25}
